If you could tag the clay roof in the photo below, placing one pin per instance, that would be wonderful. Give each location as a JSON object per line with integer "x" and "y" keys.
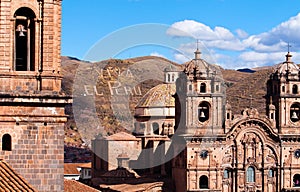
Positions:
{"x": 132, "y": 187}
{"x": 159, "y": 96}
{"x": 122, "y": 136}
{"x": 75, "y": 186}
{"x": 12, "y": 181}
{"x": 71, "y": 168}
{"x": 121, "y": 173}
{"x": 86, "y": 165}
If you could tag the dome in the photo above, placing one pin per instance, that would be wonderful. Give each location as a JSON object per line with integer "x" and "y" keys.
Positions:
{"x": 159, "y": 96}
{"x": 199, "y": 66}
{"x": 287, "y": 65}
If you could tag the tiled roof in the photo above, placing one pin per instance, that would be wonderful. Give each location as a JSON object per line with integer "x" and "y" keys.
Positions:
{"x": 122, "y": 136}
{"x": 75, "y": 186}
{"x": 86, "y": 165}
{"x": 133, "y": 187}
{"x": 12, "y": 181}
{"x": 159, "y": 96}
{"x": 71, "y": 168}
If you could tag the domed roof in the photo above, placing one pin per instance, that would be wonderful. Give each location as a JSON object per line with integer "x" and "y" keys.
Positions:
{"x": 201, "y": 67}
{"x": 159, "y": 96}
{"x": 287, "y": 65}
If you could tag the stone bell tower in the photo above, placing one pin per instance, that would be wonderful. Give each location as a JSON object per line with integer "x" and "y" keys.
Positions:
{"x": 283, "y": 97}
{"x": 200, "y": 98}
{"x": 32, "y": 113}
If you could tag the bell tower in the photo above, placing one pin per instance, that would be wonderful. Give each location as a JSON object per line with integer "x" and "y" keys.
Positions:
{"x": 32, "y": 105}
{"x": 200, "y": 99}
{"x": 283, "y": 96}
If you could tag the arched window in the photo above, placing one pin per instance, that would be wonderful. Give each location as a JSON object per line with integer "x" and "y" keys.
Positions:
{"x": 6, "y": 142}
{"x": 155, "y": 128}
{"x": 203, "y": 111}
{"x": 283, "y": 89}
{"x": 173, "y": 77}
{"x": 202, "y": 88}
{"x": 226, "y": 174}
{"x": 295, "y": 89}
{"x": 271, "y": 173}
{"x": 228, "y": 116}
{"x": 24, "y": 40}
{"x": 295, "y": 112}
{"x": 203, "y": 182}
{"x": 217, "y": 88}
{"x": 296, "y": 180}
{"x": 169, "y": 78}
{"x": 250, "y": 174}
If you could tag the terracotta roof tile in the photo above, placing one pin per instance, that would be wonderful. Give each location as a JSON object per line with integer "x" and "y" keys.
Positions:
{"x": 71, "y": 168}
{"x": 75, "y": 186}
{"x": 122, "y": 136}
{"x": 11, "y": 180}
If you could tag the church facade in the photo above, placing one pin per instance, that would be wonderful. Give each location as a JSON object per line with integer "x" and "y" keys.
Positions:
{"x": 246, "y": 152}
{"x": 32, "y": 105}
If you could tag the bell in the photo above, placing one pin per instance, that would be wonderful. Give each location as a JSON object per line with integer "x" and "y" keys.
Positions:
{"x": 294, "y": 116}
{"x": 202, "y": 114}
{"x": 21, "y": 34}
{"x": 21, "y": 30}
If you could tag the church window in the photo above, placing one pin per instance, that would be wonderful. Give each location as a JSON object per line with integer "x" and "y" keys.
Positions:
{"x": 203, "y": 111}
{"x": 295, "y": 89}
{"x": 226, "y": 174}
{"x": 173, "y": 77}
{"x": 169, "y": 77}
{"x": 203, "y": 182}
{"x": 204, "y": 154}
{"x": 296, "y": 180}
{"x": 6, "y": 142}
{"x": 190, "y": 87}
{"x": 250, "y": 174}
{"x": 24, "y": 56}
{"x": 272, "y": 115}
{"x": 228, "y": 116}
{"x": 295, "y": 112}
{"x": 271, "y": 173}
{"x": 155, "y": 128}
{"x": 202, "y": 88}
{"x": 283, "y": 89}
{"x": 297, "y": 153}
{"x": 217, "y": 88}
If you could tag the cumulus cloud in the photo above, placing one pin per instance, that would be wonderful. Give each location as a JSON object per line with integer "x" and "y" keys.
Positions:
{"x": 267, "y": 48}
{"x": 157, "y": 54}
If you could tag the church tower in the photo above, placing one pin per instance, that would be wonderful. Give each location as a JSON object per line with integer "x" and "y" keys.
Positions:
{"x": 200, "y": 95}
{"x": 32, "y": 113}
{"x": 283, "y": 97}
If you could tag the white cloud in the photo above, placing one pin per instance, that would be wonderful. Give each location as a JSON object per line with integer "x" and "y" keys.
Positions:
{"x": 241, "y": 33}
{"x": 157, "y": 54}
{"x": 199, "y": 31}
{"x": 237, "y": 49}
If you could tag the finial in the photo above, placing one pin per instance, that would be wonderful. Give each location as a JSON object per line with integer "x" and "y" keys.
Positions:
{"x": 288, "y": 55}
{"x": 197, "y": 52}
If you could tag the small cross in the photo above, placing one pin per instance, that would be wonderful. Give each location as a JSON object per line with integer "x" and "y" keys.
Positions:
{"x": 197, "y": 44}
{"x": 289, "y": 47}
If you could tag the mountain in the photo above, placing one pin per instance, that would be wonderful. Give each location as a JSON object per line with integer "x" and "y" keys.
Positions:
{"x": 120, "y": 84}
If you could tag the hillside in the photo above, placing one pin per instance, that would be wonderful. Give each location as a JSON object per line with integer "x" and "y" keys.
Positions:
{"x": 120, "y": 84}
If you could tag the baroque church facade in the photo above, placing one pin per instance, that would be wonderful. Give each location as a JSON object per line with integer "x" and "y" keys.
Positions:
{"x": 32, "y": 105}
{"x": 246, "y": 152}
{"x": 185, "y": 129}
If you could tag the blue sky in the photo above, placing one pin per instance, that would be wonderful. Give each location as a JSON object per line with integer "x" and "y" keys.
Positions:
{"x": 232, "y": 33}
